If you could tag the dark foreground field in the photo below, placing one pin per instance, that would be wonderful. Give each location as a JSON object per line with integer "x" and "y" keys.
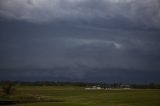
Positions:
{"x": 78, "y": 96}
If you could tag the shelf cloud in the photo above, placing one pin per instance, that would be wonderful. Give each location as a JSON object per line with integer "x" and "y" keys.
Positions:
{"x": 83, "y": 40}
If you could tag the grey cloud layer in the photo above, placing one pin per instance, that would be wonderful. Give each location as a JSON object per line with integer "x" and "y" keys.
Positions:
{"x": 143, "y": 12}
{"x": 80, "y": 49}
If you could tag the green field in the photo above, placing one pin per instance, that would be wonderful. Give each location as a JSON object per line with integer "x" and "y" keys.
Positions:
{"x": 78, "y": 96}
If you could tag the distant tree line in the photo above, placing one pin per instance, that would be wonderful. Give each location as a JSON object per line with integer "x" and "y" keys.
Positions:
{"x": 9, "y": 84}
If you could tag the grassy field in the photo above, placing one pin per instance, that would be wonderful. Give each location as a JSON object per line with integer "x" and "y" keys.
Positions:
{"x": 77, "y": 96}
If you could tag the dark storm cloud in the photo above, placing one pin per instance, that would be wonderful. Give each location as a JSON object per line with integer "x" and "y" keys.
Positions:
{"x": 80, "y": 39}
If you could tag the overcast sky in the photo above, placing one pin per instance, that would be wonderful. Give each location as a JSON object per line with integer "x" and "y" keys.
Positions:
{"x": 80, "y": 40}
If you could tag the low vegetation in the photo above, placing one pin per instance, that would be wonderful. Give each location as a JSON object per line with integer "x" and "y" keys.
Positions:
{"x": 69, "y": 95}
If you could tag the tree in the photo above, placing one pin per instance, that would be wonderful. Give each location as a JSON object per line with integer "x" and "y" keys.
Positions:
{"x": 8, "y": 88}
